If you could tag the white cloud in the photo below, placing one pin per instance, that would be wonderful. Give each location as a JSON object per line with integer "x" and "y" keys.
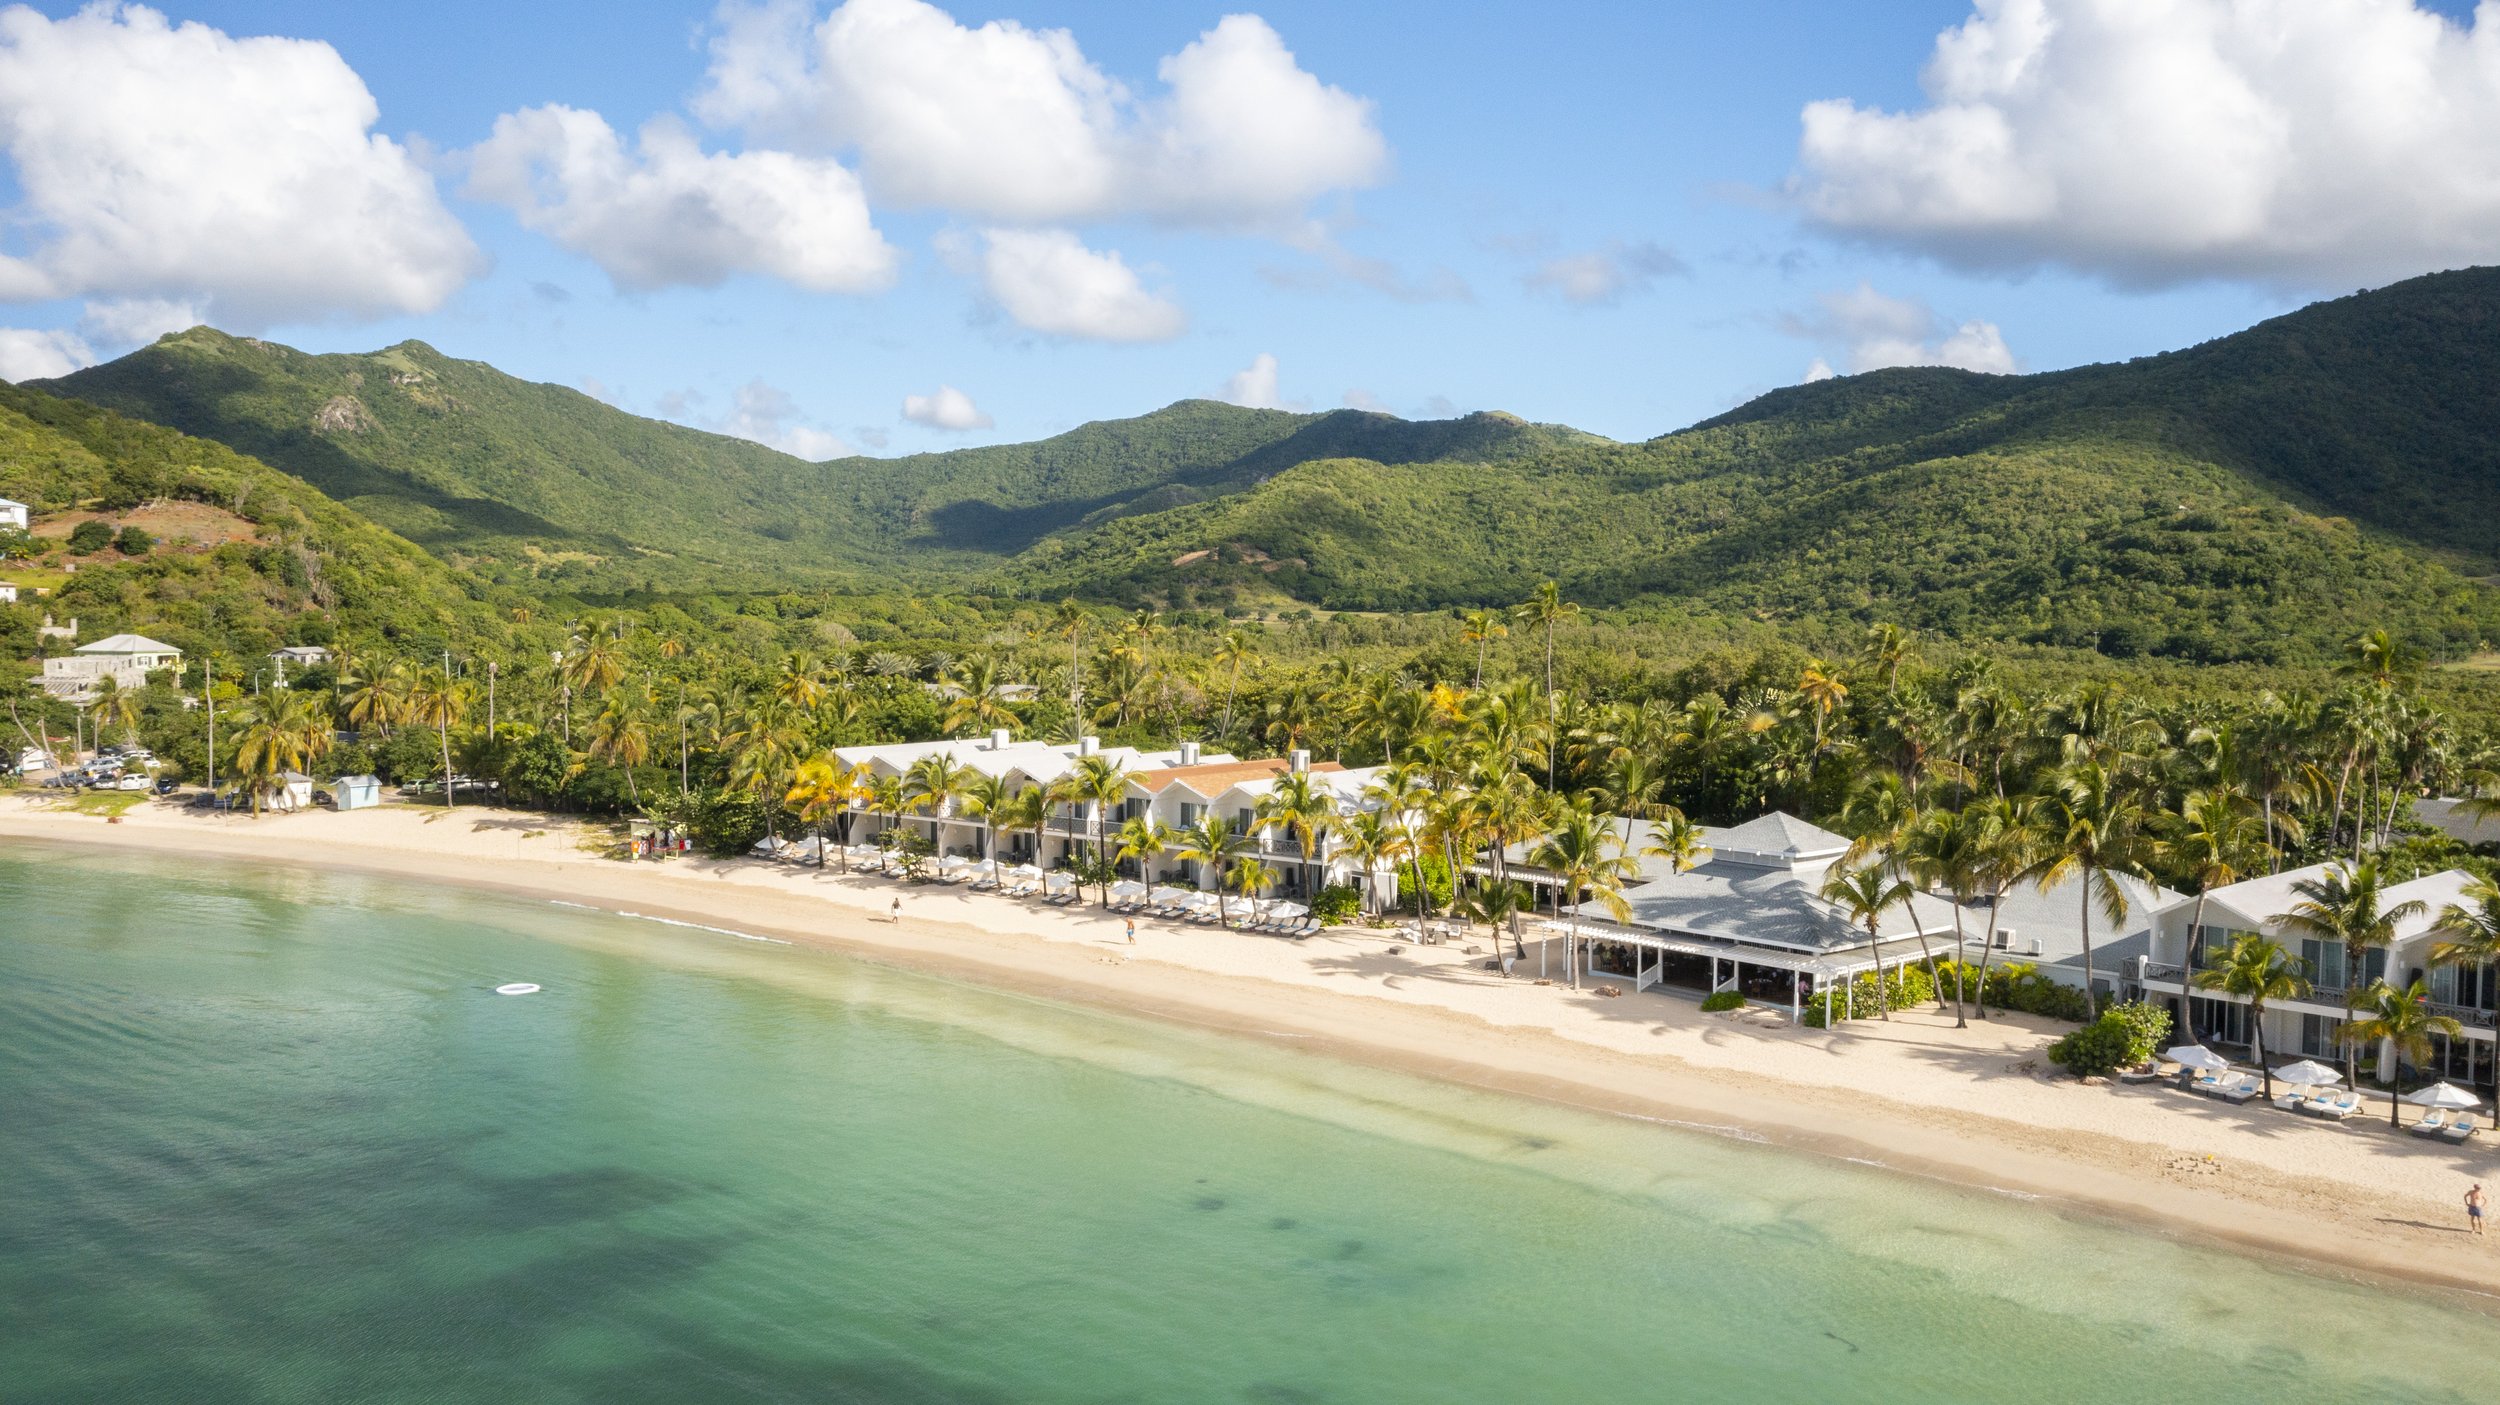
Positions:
{"x": 1254, "y": 385}
{"x": 1871, "y": 331}
{"x": 1361, "y": 399}
{"x": 27, "y": 354}
{"x": 127, "y": 322}
{"x": 767, "y": 415}
{"x": 669, "y": 213}
{"x": 156, "y": 161}
{"x": 1605, "y": 275}
{"x": 1011, "y": 124}
{"x": 948, "y": 409}
{"x": 1047, "y": 280}
{"x": 2288, "y": 142}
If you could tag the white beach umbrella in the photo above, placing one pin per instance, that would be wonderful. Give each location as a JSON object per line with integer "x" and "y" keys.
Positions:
{"x": 1128, "y": 888}
{"x": 1025, "y": 870}
{"x": 2447, "y": 1095}
{"x": 956, "y": 863}
{"x": 1200, "y": 902}
{"x": 1059, "y": 878}
{"x": 2308, "y": 1073}
{"x": 2197, "y": 1056}
{"x": 1286, "y": 909}
{"x": 1166, "y": 896}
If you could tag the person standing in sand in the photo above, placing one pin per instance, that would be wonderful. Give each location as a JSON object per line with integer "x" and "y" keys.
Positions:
{"x": 1132, "y": 931}
{"x": 895, "y": 913}
{"x": 2474, "y": 1202}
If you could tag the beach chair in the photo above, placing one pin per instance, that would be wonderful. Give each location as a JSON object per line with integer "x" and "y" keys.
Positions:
{"x": 2339, "y": 1107}
{"x": 2432, "y": 1125}
{"x": 2291, "y": 1101}
{"x": 2240, "y": 1090}
{"x": 2460, "y": 1129}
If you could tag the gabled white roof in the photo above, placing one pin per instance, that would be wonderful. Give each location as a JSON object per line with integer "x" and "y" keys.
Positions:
{"x": 128, "y": 644}
{"x": 2258, "y": 901}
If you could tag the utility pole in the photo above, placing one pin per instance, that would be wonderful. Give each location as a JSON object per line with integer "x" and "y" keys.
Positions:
{"x": 211, "y": 661}
{"x": 491, "y": 669}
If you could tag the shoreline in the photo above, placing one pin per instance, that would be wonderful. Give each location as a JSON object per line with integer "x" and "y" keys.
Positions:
{"x": 1904, "y": 1098}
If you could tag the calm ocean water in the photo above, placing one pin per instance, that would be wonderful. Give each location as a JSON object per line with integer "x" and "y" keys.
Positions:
{"x": 267, "y": 1135}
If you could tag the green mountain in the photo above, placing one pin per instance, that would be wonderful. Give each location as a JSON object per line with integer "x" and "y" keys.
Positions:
{"x": 528, "y": 477}
{"x": 244, "y": 556}
{"x": 2265, "y": 495}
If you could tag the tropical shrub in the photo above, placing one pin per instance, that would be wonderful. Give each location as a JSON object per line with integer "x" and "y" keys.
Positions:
{"x": 726, "y": 823}
{"x": 1907, "y": 986}
{"x": 1336, "y": 904}
{"x": 1718, "y": 1000}
{"x": 2015, "y": 985}
{"x": 91, "y": 536}
{"x": 134, "y": 541}
{"x": 2123, "y": 1037}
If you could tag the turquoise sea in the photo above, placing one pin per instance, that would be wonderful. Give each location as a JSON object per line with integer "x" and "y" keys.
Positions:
{"x": 268, "y": 1135}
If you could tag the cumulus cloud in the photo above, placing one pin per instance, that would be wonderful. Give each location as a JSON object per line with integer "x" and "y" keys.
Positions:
{"x": 128, "y": 322}
{"x": 2285, "y": 142}
{"x": 948, "y": 409}
{"x": 27, "y": 354}
{"x": 156, "y": 161}
{"x": 1254, "y": 385}
{"x": 1361, "y": 399}
{"x": 767, "y": 415}
{"x": 1047, "y": 280}
{"x": 1606, "y": 275}
{"x": 665, "y": 212}
{"x": 1869, "y": 331}
{"x": 1011, "y": 124}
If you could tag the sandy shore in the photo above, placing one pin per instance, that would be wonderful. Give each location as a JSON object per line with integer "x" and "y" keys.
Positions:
{"x": 1977, "y": 1106}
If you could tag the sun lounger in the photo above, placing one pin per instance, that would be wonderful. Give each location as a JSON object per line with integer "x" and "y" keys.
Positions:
{"x": 2432, "y": 1125}
{"x": 2460, "y": 1129}
{"x": 2239, "y": 1092}
{"x": 2292, "y": 1101}
{"x": 2337, "y": 1108}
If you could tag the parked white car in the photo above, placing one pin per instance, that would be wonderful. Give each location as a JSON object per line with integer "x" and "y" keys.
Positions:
{"x": 133, "y": 780}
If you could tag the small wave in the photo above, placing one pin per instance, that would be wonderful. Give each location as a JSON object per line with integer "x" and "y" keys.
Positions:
{"x": 704, "y": 927}
{"x": 2011, "y": 1193}
{"x": 559, "y": 902}
{"x": 1863, "y": 1161}
{"x": 1716, "y": 1129}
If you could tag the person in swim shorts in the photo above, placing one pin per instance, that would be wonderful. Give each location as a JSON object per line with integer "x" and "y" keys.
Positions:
{"x": 2474, "y": 1202}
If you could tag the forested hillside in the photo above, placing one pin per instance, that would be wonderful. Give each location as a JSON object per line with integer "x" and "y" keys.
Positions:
{"x": 226, "y": 548}
{"x": 2259, "y": 497}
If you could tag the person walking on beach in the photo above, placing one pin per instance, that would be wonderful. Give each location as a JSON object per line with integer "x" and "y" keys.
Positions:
{"x": 894, "y": 914}
{"x": 1132, "y": 931}
{"x": 2474, "y": 1202}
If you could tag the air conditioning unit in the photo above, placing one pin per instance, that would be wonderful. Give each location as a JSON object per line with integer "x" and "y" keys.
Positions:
{"x": 2005, "y": 939}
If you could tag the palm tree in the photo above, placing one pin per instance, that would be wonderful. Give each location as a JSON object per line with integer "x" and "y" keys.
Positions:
{"x": 2011, "y": 836}
{"x": 1547, "y": 609}
{"x": 1213, "y": 844}
{"x": 1142, "y": 837}
{"x": 1864, "y": 894}
{"x": 1944, "y": 849}
{"x": 2347, "y": 904}
{"x": 380, "y": 697}
{"x": 931, "y": 784}
{"x": 2404, "y": 1021}
{"x": 283, "y": 731}
{"x": 1584, "y": 853}
{"x": 1250, "y": 876}
{"x": 1233, "y": 652}
{"x": 115, "y": 706}
{"x": 1373, "y": 840}
{"x": 984, "y": 795}
{"x": 2472, "y": 931}
{"x": 980, "y": 700}
{"x": 2214, "y": 839}
{"x": 2096, "y": 834}
{"x": 1301, "y": 806}
{"x": 763, "y": 748}
{"x": 2256, "y": 969}
{"x": 1069, "y": 623}
{"x": 1677, "y": 840}
{"x": 1495, "y": 903}
{"x": 819, "y": 789}
{"x": 1027, "y": 809}
{"x": 1098, "y": 783}
{"x": 438, "y": 700}
{"x": 621, "y": 736}
{"x": 1481, "y": 628}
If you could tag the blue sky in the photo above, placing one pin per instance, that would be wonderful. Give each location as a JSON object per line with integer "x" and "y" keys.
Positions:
{"x": 1603, "y": 215}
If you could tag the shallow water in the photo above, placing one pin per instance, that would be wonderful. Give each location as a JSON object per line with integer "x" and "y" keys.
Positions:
{"x": 269, "y": 1135}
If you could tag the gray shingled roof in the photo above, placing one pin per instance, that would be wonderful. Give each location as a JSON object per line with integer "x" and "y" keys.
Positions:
{"x": 1780, "y": 907}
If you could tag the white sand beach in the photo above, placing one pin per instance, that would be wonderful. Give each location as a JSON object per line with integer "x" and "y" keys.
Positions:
{"x": 1979, "y": 1106}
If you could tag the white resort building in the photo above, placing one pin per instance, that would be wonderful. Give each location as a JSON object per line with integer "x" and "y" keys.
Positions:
{"x": 2470, "y": 994}
{"x": 127, "y": 659}
{"x": 14, "y": 514}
